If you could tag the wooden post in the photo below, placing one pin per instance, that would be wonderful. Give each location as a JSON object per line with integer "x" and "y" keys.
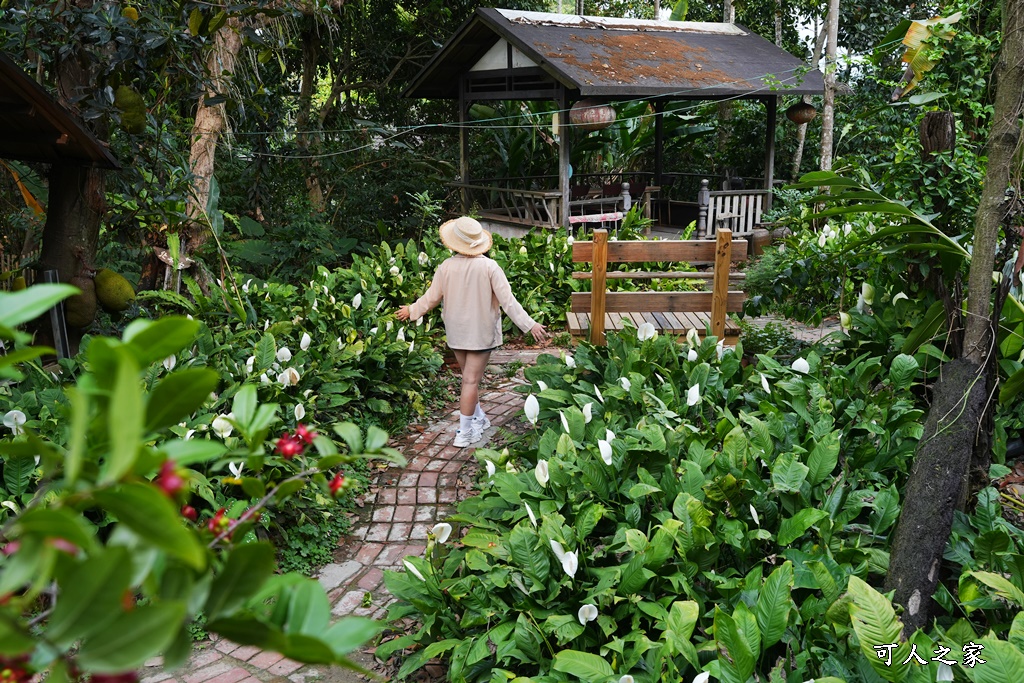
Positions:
{"x": 703, "y": 203}
{"x": 659, "y": 141}
{"x": 597, "y": 287}
{"x": 772, "y": 107}
{"x": 564, "y": 140}
{"x": 720, "y": 293}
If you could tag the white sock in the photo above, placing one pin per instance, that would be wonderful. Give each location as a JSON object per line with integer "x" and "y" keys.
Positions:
{"x": 479, "y": 412}
{"x": 465, "y": 422}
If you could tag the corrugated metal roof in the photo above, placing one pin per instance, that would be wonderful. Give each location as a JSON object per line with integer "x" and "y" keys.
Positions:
{"x": 36, "y": 128}
{"x": 607, "y": 57}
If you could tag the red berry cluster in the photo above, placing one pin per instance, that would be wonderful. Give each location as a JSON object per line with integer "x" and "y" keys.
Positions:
{"x": 171, "y": 479}
{"x": 290, "y": 445}
{"x": 14, "y": 669}
{"x": 337, "y": 485}
{"x": 218, "y": 524}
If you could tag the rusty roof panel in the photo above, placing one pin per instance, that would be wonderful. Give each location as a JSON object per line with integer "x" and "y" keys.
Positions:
{"x": 625, "y": 57}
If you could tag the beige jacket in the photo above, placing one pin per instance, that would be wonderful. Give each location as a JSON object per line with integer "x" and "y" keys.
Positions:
{"x": 472, "y": 287}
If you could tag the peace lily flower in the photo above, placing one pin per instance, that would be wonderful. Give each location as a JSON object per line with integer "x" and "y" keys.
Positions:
{"x": 300, "y": 411}
{"x": 266, "y": 323}
{"x": 693, "y": 395}
{"x": 624, "y": 381}
{"x": 945, "y": 673}
{"x": 170, "y": 362}
{"x": 221, "y": 425}
{"x": 394, "y": 270}
{"x": 264, "y": 379}
{"x": 597, "y": 391}
{"x": 289, "y": 376}
{"x": 306, "y": 340}
{"x": 587, "y": 613}
{"x": 542, "y": 385}
{"x": 565, "y": 422}
{"x": 357, "y": 300}
{"x": 860, "y": 303}
{"x": 868, "y": 292}
{"x": 822, "y": 238}
{"x": 606, "y": 451}
{"x": 801, "y": 366}
{"x": 570, "y": 563}
{"x": 411, "y": 568}
{"x": 588, "y": 413}
{"x": 570, "y": 361}
{"x": 249, "y": 364}
{"x": 236, "y": 469}
{"x": 626, "y": 679}
{"x": 609, "y": 435}
{"x": 764, "y": 384}
{"x": 720, "y": 348}
{"x": 189, "y": 433}
{"x": 533, "y": 517}
{"x": 753, "y": 513}
{"x": 702, "y": 677}
{"x": 14, "y": 420}
{"x": 569, "y": 240}
{"x": 510, "y": 468}
{"x": 541, "y": 472}
{"x": 897, "y": 297}
{"x": 522, "y": 250}
{"x": 845, "y": 320}
{"x": 691, "y": 355}
{"x": 284, "y": 355}
{"x": 411, "y": 345}
{"x": 401, "y": 334}
{"x": 442, "y": 531}
{"x": 646, "y": 331}
{"x": 532, "y": 409}
{"x": 423, "y": 258}
{"x": 341, "y": 344}
{"x": 490, "y": 468}
{"x": 245, "y": 287}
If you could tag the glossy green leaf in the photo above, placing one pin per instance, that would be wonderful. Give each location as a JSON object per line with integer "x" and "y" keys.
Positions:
{"x": 903, "y": 371}
{"x": 153, "y": 340}
{"x": 352, "y": 436}
{"x": 191, "y": 451}
{"x": 774, "y": 604}
{"x": 128, "y": 641}
{"x": 823, "y": 459}
{"x": 20, "y": 307}
{"x": 738, "y": 664}
{"x": 55, "y": 523}
{"x": 124, "y": 421}
{"x": 179, "y": 395}
{"x": 309, "y": 610}
{"x": 350, "y": 633}
{"x": 13, "y": 640}
{"x": 248, "y": 566}
{"x": 243, "y": 406}
{"x": 875, "y": 623}
{"x": 583, "y": 665}
{"x": 794, "y": 527}
{"x": 92, "y": 598}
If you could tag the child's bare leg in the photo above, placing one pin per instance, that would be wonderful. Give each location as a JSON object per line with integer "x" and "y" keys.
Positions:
{"x": 473, "y": 364}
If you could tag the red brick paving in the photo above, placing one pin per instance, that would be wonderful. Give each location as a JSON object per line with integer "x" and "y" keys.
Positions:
{"x": 403, "y": 504}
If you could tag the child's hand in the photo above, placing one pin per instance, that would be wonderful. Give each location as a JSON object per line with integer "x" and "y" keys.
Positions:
{"x": 540, "y": 333}
{"x": 403, "y": 313}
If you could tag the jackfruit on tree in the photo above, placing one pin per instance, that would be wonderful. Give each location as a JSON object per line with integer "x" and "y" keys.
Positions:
{"x": 80, "y": 309}
{"x": 114, "y": 293}
{"x": 132, "y": 107}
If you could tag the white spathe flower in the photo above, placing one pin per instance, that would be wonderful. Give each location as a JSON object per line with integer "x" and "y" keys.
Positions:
{"x": 300, "y": 411}
{"x": 412, "y": 344}
{"x": 522, "y": 250}
{"x": 626, "y": 679}
{"x": 236, "y": 469}
{"x": 764, "y": 384}
{"x": 14, "y": 420}
{"x": 264, "y": 379}
{"x": 867, "y": 290}
{"x": 845, "y": 321}
{"x": 222, "y": 426}
{"x": 801, "y": 366}
{"x": 306, "y": 341}
{"x": 847, "y": 228}
{"x": 532, "y": 409}
{"x": 401, "y": 334}
{"x": 753, "y": 513}
{"x": 289, "y": 377}
{"x": 170, "y": 362}
{"x": 341, "y": 344}
{"x": 249, "y": 363}
{"x": 860, "y": 303}
{"x": 266, "y": 323}
{"x": 822, "y": 238}
{"x": 423, "y": 258}
{"x": 897, "y": 297}
{"x": 597, "y": 391}
{"x": 691, "y": 355}
{"x": 373, "y": 331}
{"x": 565, "y": 422}
{"x": 542, "y": 385}
{"x": 491, "y": 469}
{"x": 945, "y": 672}
{"x": 558, "y": 550}
{"x": 646, "y": 331}
{"x": 720, "y": 348}
{"x": 394, "y": 270}
{"x": 691, "y": 337}
{"x": 570, "y": 563}
{"x": 624, "y": 381}
{"x": 442, "y": 531}
{"x": 693, "y": 395}
{"x": 702, "y": 677}
{"x": 587, "y": 613}
{"x": 533, "y": 517}
{"x": 570, "y": 361}
{"x": 189, "y": 433}
{"x": 588, "y": 413}
{"x": 541, "y": 472}
{"x": 609, "y": 435}
{"x": 357, "y": 300}
{"x": 284, "y": 355}
{"x": 411, "y": 568}
{"x": 606, "y": 451}
{"x": 245, "y": 287}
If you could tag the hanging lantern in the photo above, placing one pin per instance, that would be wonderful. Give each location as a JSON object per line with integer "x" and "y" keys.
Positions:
{"x": 801, "y": 112}
{"x": 591, "y": 115}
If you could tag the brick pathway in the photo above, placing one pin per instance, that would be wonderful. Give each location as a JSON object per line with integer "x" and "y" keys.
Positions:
{"x": 402, "y": 506}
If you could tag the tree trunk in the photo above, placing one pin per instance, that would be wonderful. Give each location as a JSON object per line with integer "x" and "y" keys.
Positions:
{"x": 210, "y": 123}
{"x": 303, "y": 119}
{"x": 828, "y": 109}
{"x": 73, "y": 216}
{"x": 951, "y": 431}
{"x": 801, "y": 130}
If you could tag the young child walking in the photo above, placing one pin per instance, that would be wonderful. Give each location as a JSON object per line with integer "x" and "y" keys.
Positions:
{"x": 473, "y": 287}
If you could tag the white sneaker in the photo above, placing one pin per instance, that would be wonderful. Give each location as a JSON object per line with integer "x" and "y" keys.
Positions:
{"x": 481, "y": 423}
{"x": 465, "y": 438}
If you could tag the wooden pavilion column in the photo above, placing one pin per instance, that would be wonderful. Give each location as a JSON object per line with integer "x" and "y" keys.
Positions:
{"x": 771, "y": 105}
{"x": 659, "y": 140}
{"x": 463, "y": 145}
{"x": 563, "y": 155}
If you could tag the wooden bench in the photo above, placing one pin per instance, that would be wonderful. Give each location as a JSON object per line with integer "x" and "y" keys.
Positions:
{"x": 670, "y": 312}
{"x": 736, "y": 210}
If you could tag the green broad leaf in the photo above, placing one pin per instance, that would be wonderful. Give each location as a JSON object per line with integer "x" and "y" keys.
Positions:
{"x": 124, "y": 421}
{"x": 28, "y": 304}
{"x": 796, "y": 526}
{"x": 926, "y": 330}
{"x": 247, "y": 568}
{"x": 306, "y": 648}
{"x": 266, "y": 353}
{"x": 736, "y": 660}
{"x": 826, "y": 582}
{"x": 875, "y": 623}
{"x": 1012, "y": 387}
{"x": 587, "y": 519}
{"x": 638, "y": 491}
{"x": 178, "y": 395}
{"x": 526, "y": 554}
{"x": 92, "y": 598}
{"x": 253, "y": 487}
{"x": 13, "y": 640}
{"x": 1003, "y": 588}
{"x": 788, "y": 473}
{"x": 903, "y": 370}
{"x": 350, "y": 633}
{"x": 153, "y": 340}
{"x": 823, "y": 459}
{"x": 774, "y": 604}
{"x": 746, "y": 626}
{"x": 583, "y": 665}
{"x": 351, "y": 435}
{"x": 564, "y": 627}
{"x": 243, "y": 406}
{"x": 1003, "y": 662}
{"x": 682, "y": 617}
{"x": 128, "y": 641}
{"x": 76, "y": 439}
{"x": 55, "y": 523}
{"x": 634, "y": 576}
{"x": 18, "y": 471}
{"x": 376, "y": 438}
{"x": 192, "y": 451}
{"x": 679, "y": 10}
{"x": 309, "y": 610}
{"x": 195, "y": 22}
{"x": 1015, "y": 636}
{"x": 151, "y": 515}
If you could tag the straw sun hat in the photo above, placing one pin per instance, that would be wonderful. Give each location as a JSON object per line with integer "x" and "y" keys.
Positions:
{"x": 465, "y": 236}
